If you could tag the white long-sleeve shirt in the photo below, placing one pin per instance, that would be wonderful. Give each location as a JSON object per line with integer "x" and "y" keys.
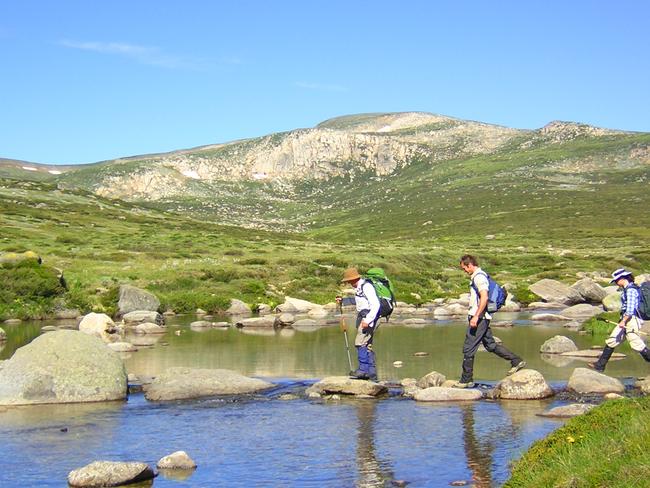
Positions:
{"x": 366, "y": 298}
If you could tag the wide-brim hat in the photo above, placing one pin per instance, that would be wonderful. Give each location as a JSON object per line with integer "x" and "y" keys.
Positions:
{"x": 350, "y": 274}
{"x": 619, "y": 273}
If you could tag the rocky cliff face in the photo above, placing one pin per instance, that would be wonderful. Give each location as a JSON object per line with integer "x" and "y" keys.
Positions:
{"x": 374, "y": 144}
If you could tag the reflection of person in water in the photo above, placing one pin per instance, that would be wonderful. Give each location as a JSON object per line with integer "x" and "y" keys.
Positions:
{"x": 479, "y": 455}
{"x": 372, "y": 472}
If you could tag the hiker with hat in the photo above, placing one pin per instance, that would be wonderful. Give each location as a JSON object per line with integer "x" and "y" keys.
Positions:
{"x": 478, "y": 330}
{"x": 367, "y": 303}
{"x": 629, "y": 324}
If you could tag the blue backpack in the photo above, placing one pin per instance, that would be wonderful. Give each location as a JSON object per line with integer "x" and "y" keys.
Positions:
{"x": 496, "y": 294}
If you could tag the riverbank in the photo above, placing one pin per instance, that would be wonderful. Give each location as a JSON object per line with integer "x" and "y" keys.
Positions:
{"x": 605, "y": 447}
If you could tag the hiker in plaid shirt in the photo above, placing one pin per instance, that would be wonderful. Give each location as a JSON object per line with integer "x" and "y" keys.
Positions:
{"x": 630, "y": 323}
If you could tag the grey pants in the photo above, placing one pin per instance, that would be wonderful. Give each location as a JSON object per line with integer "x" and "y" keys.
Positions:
{"x": 474, "y": 337}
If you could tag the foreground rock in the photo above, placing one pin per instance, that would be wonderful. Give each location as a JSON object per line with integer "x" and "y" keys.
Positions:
{"x": 585, "y": 380}
{"x": 554, "y": 291}
{"x": 108, "y": 473}
{"x": 557, "y": 345}
{"x": 132, "y": 299}
{"x": 346, "y": 386}
{"x": 566, "y": 411}
{"x": 446, "y": 394}
{"x": 185, "y": 383}
{"x": 63, "y": 367}
{"x": 100, "y": 325}
{"x": 176, "y": 460}
{"x": 526, "y": 384}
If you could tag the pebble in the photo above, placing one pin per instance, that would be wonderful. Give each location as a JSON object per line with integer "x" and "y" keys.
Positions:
{"x": 421, "y": 354}
{"x": 398, "y": 364}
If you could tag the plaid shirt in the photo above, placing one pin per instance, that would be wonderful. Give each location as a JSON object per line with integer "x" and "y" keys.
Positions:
{"x": 630, "y": 301}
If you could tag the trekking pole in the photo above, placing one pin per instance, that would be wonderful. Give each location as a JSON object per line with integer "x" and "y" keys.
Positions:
{"x": 344, "y": 328}
{"x": 616, "y": 323}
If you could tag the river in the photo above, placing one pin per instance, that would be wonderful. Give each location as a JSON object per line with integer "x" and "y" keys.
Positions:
{"x": 265, "y": 440}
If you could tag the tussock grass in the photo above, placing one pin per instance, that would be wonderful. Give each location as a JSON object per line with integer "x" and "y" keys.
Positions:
{"x": 606, "y": 447}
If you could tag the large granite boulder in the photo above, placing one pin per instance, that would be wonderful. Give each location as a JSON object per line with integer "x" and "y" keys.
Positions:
{"x": 612, "y": 302}
{"x": 108, "y": 473}
{"x": 557, "y": 345}
{"x": 65, "y": 366}
{"x": 585, "y": 380}
{"x": 100, "y": 325}
{"x": 445, "y": 394}
{"x": 554, "y": 291}
{"x": 581, "y": 311}
{"x": 347, "y": 386}
{"x": 431, "y": 379}
{"x": 184, "y": 383}
{"x": 237, "y": 307}
{"x": 143, "y": 316}
{"x": 526, "y": 384}
{"x": 566, "y": 411}
{"x": 132, "y": 299}
{"x": 590, "y": 291}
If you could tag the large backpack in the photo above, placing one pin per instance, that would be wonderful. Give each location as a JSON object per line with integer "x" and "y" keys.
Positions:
{"x": 382, "y": 285}
{"x": 496, "y": 294}
{"x": 644, "y": 300}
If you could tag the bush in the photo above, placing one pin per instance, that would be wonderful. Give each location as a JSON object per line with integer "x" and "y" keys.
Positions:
{"x": 28, "y": 281}
{"x": 598, "y": 326}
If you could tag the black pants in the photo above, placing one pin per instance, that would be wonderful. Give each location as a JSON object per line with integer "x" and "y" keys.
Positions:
{"x": 474, "y": 337}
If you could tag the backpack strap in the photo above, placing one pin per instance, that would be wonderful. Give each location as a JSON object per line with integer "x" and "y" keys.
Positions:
{"x": 473, "y": 285}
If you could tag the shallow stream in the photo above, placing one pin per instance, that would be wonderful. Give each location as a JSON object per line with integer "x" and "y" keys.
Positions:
{"x": 268, "y": 441}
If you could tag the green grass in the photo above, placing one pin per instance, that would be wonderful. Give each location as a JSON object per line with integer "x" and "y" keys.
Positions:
{"x": 606, "y": 447}
{"x": 598, "y": 325}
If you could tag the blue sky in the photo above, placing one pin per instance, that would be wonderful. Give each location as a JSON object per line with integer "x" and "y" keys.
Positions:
{"x": 84, "y": 81}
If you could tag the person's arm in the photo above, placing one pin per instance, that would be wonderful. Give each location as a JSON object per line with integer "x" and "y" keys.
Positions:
{"x": 373, "y": 301}
{"x": 345, "y": 301}
{"x": 631, "y": 305}
{"x": 482, "y": 286}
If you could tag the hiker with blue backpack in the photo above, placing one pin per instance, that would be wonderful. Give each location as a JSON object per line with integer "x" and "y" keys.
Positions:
{"x": 371, "y": 304}
{"x": 485, "y": 297}
{"x": 634, "y": 307}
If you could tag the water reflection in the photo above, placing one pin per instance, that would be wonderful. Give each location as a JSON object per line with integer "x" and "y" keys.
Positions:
{"x": 372, "y": 471}
{"x": 478, "y": 452}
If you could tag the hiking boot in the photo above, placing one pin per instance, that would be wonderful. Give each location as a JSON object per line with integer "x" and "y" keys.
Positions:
{"x": 372, "y": 377}
{"x": 359, "y": 375}
{"x": 596, "y": 367}
{"x": 514, "y": 369}
{"x": 460, "y": 384}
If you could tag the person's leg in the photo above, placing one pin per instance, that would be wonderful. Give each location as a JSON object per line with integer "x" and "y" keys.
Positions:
{"x": 503, "y": 352}
{"x": 473, "y": 338}
{"x": 615, "y": 338}
{"x": 636, "y": 342}
{"x": 364, "y": 356}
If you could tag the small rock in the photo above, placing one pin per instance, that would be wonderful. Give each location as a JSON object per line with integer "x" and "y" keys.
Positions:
{"x": 566, "y": 411}
{"x": 12, "y": 321}
{"x": 612, "y": 396}
{"x": 420, "y": 354}
{"x": 176, "y": 460}
{"x": 431, "y": 379}
{"x": 398, "y": 364}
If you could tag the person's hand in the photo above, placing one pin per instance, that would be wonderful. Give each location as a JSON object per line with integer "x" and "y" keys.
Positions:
{"x": 622, "y": 324}
{"x": 473, "y": 322}
{"x": 339, "y": 300}
{"x": 364, "y": 325}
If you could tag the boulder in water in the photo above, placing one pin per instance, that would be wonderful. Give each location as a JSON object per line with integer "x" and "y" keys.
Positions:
{"x": 176, "y": 460}
{"x": 526, "y": 384}
{"x": 585, "y": 380}
{"x": 108, "y": 473}
{"x": 557, "y": 345}
{"x": 347, "y": 386}
{"x": 132, "y": 299}
{"x": 100, "y": 325}
{"x": 566, "y": 411}
{"x": 63, "y": 367}
{"x": 446, "y": 394}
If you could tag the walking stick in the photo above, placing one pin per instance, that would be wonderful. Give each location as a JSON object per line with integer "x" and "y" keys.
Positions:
{"x": 344, "y": 328}
{"x": 640, "y": 332}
